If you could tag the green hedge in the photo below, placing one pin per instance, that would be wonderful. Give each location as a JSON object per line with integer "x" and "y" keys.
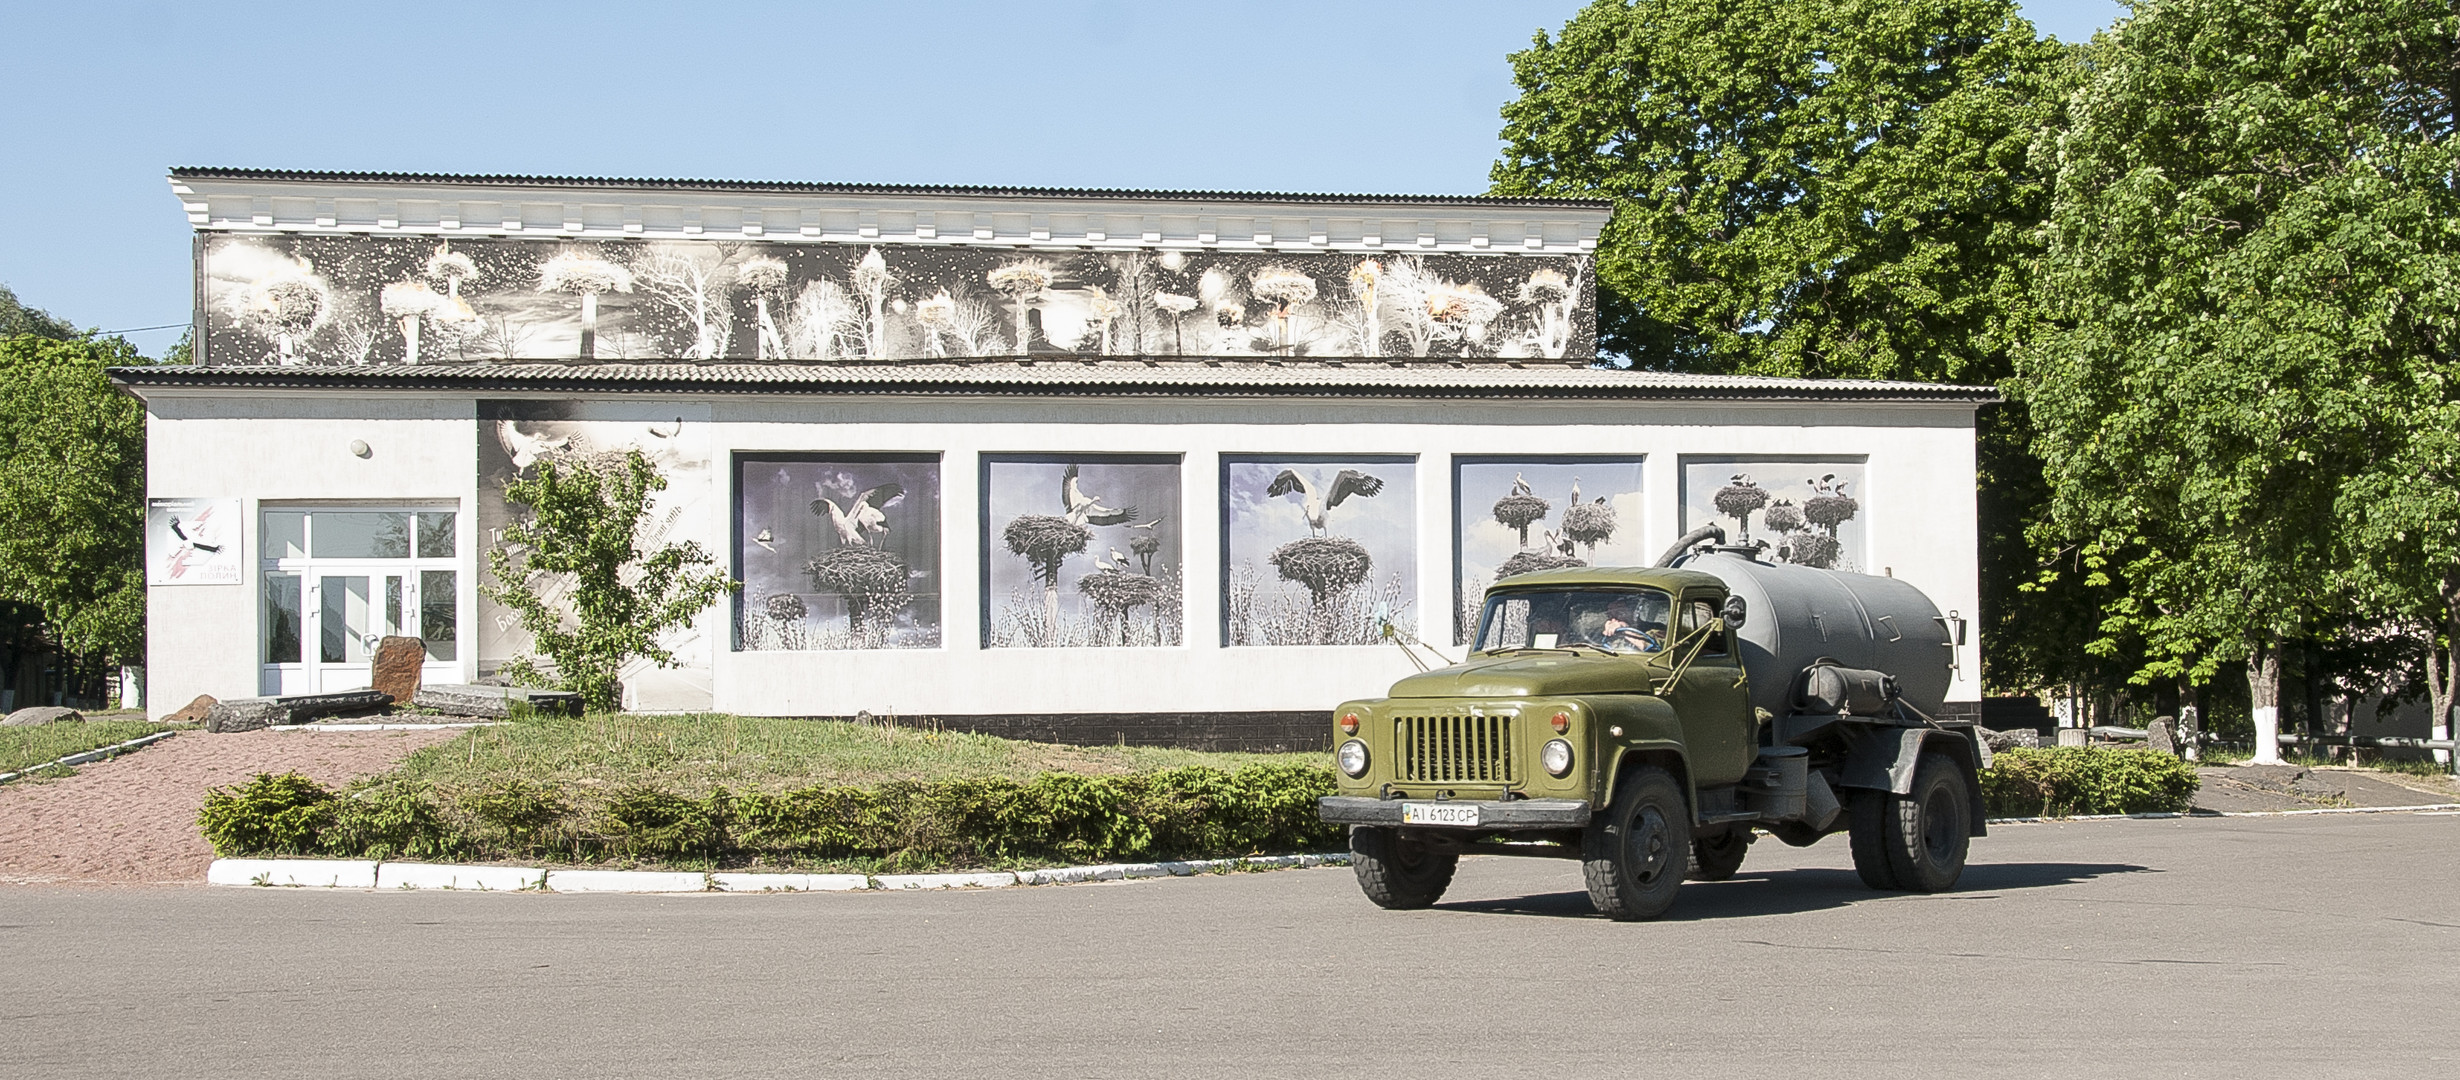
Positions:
{"x": 1191, "y": 812}
{"x": 2061, "y": 781}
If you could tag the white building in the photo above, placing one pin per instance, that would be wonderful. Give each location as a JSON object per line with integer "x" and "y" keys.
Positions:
{"x": 379, "y": 355}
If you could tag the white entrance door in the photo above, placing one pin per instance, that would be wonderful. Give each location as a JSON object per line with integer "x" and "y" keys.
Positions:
{"x": 338, "y": 581}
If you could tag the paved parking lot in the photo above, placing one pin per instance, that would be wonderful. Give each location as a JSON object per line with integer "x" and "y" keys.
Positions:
{"x": 2307, "y": 946}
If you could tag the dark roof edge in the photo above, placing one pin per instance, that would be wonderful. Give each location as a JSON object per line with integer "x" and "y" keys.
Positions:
{"x": 187, "y": 172}
{"x": 1806, "y": 390}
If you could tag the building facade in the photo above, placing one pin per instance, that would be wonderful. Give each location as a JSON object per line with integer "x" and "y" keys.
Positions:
{"x": 1162, "y": 466}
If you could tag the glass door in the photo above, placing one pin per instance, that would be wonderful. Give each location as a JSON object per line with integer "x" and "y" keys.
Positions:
{"x": 337, "y": 582}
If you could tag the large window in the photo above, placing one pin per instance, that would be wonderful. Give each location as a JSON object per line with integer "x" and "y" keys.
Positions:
{"x": 337, "y": 581}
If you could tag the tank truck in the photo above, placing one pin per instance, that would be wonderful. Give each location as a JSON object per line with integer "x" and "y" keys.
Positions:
{"x": 1651, "y": 722}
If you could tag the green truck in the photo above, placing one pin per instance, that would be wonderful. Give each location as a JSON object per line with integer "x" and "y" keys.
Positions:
{"x": 1652, "y": 722}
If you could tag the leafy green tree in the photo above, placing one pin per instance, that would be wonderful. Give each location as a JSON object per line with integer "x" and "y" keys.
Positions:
{"x": 17, "y": 319}
{"x": 72, "y": 487}
{"x": 2252, "y": 283}
{"x": 585, "y": 521}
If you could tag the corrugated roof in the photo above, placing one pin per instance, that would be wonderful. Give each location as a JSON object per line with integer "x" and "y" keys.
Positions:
{"x": 812, "y": 188}
{"x": 1055, "y": 377}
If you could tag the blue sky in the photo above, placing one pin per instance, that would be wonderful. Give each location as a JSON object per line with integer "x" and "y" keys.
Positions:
{"x": 1323, "y": 95}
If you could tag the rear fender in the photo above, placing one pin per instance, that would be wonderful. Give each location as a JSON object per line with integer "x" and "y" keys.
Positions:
{"x": 1883, "y": 759}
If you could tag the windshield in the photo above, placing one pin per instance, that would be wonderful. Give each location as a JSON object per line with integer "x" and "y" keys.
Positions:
{"x": 1615, "y": 620}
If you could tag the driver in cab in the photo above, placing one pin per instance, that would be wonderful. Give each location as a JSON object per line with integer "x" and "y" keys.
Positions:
{"x": 1625, "y": 632}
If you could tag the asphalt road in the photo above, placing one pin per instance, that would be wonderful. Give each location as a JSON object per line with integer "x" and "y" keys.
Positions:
{"x": 2307, "y": 947}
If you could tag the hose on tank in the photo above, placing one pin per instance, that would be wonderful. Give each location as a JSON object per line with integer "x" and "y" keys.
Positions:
{"x": 1689, "y": 540}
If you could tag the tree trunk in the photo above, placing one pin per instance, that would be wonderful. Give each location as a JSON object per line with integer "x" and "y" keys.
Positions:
{"x": 2443, "y": 671}
{"x": 1050, "y": 609}
{"x": 2263, "y": 684}
{"x": 589, "y": 326}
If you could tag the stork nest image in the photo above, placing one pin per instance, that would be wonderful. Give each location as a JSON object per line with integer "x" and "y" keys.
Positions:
{"x": 1530, "y": 562}
{"x": 1324, "y": 564}
{"x": 1045, "y": 540}
{"x": 866, "y": 576}
{"x": 1589, "y": 523}
{"x": 1520, "y": 511}
{"x": 1118, "y": 590}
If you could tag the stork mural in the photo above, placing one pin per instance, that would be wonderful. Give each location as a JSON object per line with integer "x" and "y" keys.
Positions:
{"x": 1337, "y": 539}
{"x": 1060, "y": 536}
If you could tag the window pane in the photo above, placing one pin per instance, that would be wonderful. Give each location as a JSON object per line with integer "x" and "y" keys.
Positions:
{"x": 392, "y": 604}
{"x": 437, "y": 624}
{"x": 345, "y": 618}
{"x": 285, "y": 535}
{"x": 435, "y": 534}
{"x": 281, "y": 618}
{"x": 362, "y": 534}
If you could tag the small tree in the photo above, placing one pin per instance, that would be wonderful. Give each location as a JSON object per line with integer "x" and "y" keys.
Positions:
{"x": 1047, "y": 541}
{"x": 586, "y": 521}
{"x": 72, "y": 483}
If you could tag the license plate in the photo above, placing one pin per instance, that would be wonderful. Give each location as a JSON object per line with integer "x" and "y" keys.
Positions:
{"x": 1421, "y": 813}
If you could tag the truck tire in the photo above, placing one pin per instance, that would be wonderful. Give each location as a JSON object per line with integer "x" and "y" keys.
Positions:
{"x": 1399, "y": 874}
{"x": 1716, "y": 857}
{"x": 1929, "y": 828}
{"x": 1635, "y": 855}
{"x": 1868, "y": 812}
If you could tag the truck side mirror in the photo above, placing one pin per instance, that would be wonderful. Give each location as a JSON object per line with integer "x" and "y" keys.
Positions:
{"x": 1734, "y": 613}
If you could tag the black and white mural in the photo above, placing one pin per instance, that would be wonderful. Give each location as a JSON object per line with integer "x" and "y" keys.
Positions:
{"x": 1318, "y": 551}
{"x": 1804, "y": 510}
{"x": 1081, "y": 550}
{"x": 399, "y": 300}
{"x": 1518, "y": 515}
{"x": 514, "y": 436}
{"x": 837, "y": 551}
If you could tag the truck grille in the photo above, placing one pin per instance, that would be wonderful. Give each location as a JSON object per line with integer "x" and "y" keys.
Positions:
{"x": 1455, "y": 749}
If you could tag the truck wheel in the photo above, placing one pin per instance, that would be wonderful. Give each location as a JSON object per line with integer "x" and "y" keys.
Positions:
{"x": 1634, "y": 857}
{"x": 1715, "y": 858}
{"x": 1868, "y": 829}
{"x": 1399, "y": 874}
{"x": 1929, "y": 828}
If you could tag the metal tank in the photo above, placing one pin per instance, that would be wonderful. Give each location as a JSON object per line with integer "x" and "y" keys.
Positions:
{"x": 1797, "y": 614}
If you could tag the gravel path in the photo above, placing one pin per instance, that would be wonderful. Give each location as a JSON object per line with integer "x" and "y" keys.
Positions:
{"x": 132, "y": 819}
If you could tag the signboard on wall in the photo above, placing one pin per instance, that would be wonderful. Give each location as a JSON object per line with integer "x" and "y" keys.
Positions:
{"x": 192, "y": 541}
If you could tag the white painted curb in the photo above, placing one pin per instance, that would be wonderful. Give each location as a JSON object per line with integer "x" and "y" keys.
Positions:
{"x": 382, "y": 727}
{"x": 789, "y": 882}
{"x": 409, "y": 875}
{"x": 2422, "y": 809}
{"x": 114, "y": 750}
{"x": 354, "y": 874}
{"x": 296, "y": 873}
{"x": 625, "y": 881}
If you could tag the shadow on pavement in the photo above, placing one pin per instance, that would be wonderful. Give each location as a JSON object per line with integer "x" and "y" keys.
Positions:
{"x": 1790, "y": 892}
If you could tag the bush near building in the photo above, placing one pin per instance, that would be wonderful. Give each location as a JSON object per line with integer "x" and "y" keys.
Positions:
{"x": 2063, "y": 781}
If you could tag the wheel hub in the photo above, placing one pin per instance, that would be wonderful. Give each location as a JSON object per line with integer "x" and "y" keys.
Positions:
{"x": 1649, "y": 854}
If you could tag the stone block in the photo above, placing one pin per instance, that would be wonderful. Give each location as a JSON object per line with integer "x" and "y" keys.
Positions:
{"x": 243, "y": 714}
{"x": 2161, "y": 736}
{"x": 42, "y": 714}
{"x": 396, "y": 670}
{"x": 625, "y": 881}
{"x": 194, "y": 712}
{"x": 473, "y": 878}
{"x": 298, "y": 873}
{"x": 495, "y": 702}
{"x": 789, "y": 882}
{"x": 249, "y": 714}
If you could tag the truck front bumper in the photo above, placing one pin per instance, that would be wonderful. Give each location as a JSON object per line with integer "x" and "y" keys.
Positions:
{"x": 1517, "y": 814}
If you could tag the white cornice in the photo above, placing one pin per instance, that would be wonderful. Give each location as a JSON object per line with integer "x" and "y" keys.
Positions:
{"x": 1055, "y": 220}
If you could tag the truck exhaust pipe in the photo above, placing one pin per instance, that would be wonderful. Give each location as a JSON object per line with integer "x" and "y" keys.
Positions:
{"x": 1690, "y": 540}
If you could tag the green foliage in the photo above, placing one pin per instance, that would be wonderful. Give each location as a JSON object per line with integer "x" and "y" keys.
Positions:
{"x": 2057, "y": 782}
{"x": 25, "y": 747}
{"x": 1801, "y": 187}
{"x": 585, "y": 522}
{"x": 963, "y": 821}
{"x": 2245, "y": 398}
{"x": 16, "y": 319}
{"x": 270, "y": 815}
{"x": 72, "y": 485}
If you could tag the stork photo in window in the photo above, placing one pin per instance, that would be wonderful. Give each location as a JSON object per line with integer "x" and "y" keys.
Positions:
{"x": 1081, "y": 551}
{"x": 837, "y": 551}
{"x": 1319, "y": 551}
{"x": 1805, "y": 510}
{"x": 1513, "y": 516}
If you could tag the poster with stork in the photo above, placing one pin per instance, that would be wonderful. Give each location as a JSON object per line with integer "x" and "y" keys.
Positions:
{"x": 514, "y": 437}
{"x": 1518, "y": 515}
{"x": 1081, "y": 551}
{"x": 1319, "y": 551}
{"x": 1803, "y": 510}
{"x": 837, "y": 551}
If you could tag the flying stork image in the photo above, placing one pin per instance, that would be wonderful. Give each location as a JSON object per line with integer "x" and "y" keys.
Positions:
{"x": 1317, "y": 502}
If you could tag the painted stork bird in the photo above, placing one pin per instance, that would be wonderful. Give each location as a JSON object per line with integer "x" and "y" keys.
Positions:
{"x": 861, "y": 519}
{"x": 1520, "y": 486}
{"x": 1118, "y": 560}
{"x": 1575, "y": 491}
{"x": 1318, "y": 503}
{"x": 524, "y": 448}
{"x": 1086, "y": 509}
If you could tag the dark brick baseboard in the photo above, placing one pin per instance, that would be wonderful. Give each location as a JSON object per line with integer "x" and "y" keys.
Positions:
{"x": 1254, "y": 732}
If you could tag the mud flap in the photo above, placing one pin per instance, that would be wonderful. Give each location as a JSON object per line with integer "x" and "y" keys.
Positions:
{"x": 1883, "y": 760}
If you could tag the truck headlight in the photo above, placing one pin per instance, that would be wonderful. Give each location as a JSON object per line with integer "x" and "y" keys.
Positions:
{"x": 1352, "y": 757}
{"x": 1556, "y": 756}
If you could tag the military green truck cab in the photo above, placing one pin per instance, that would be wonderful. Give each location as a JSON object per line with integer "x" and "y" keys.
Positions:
{"x": 1650, "y": 722}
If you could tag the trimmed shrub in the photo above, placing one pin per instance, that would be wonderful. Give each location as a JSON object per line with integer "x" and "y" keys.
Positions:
{"x": 389, "y": 823}
{"x": 270, "y": 815}
{"x": 644, "y": 822}
{"x": 2060, "y": 781}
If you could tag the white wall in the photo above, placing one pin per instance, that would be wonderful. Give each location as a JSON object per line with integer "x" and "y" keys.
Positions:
{"x": 203, "y": 638}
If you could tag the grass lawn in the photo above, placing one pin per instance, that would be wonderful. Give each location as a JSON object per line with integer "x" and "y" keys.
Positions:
{"x": 23, "y": 748}
{"x": 692, "y": 754}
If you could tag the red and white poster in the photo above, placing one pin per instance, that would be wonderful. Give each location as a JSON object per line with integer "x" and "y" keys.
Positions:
{"x": 192, "y": 541}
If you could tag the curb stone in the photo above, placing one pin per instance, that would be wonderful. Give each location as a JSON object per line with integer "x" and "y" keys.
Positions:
{"x": 113, "y": 750}
{"x": 361, "y": 874}
{"x": 2427, "y": 808}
